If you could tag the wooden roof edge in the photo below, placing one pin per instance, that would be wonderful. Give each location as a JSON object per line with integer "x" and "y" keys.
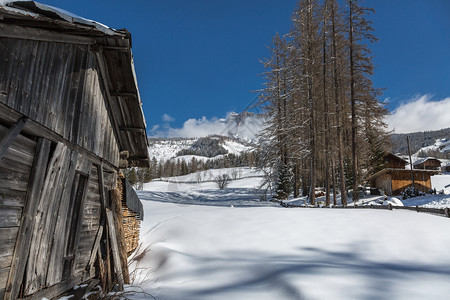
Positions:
{"x": 387, "y": 170}
{"x": 425, "y": 159}
{"x": 397, "y": 157}
{"x": 133, "y": 100}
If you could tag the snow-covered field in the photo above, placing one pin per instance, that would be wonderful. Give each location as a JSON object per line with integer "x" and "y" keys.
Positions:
{"x": 247, "y": 249}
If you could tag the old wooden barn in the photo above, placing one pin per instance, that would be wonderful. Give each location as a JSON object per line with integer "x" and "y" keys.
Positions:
{"x": 395, "y": 178}
{"x": 70, "y": 118}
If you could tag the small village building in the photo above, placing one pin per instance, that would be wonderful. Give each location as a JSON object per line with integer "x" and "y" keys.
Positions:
{"x": 428, "y": 163}
{"x": 392, "y": 161}
{"x": 395, "y": 178}
{"x": 70, "y": 119}
{"x": 445, "y": 167}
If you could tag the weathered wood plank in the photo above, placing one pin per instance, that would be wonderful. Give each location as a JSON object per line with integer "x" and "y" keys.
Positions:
{"x": 10, "y": 216}
{"x": 56, "y": 264}
{"x": 116, "y": 206}
{"x": 11, "y": 197}
{"x": 13, "y": 181}
{"x": 8, "y": 240}
{"x": 26, "y": 229}
{"x": 11, "y": 135}
{"x": 3, "y": 280}
{"x": 14, "y": 165}
{"x": 21, "y": 143}
{"x": 114, "y": 248}
{"x": 17, "y": 155}
{"x": 77, "y": 221}
{"x": 56, "y": 289}
{"x": 5, "y": 262}
{"x": 101, "y": 185}
{"x": 46, "y": 219}
{"x": 96, "y": 246}
{"x": 29, "y": 33}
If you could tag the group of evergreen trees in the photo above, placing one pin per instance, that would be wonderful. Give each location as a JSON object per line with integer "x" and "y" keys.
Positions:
{"x": 325, "y": 123}
{"x": 178, "y": 167}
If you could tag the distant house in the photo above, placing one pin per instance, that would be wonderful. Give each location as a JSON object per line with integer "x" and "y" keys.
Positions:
{"x": 394, "y": 178}
{"x": 428, "y": 163}
{"x": 394, "y": 162}
{"x": 70, "y": 119}
{"x": 446, "y": 167}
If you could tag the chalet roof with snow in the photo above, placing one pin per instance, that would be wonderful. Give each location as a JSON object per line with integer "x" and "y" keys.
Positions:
{"x": 393, "y": 161}
{"x": 427, "y": 163}
{"x": 36, "y": 21}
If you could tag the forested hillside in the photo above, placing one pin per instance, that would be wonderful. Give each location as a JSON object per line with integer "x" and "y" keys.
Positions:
{"x": 418, "y": 140}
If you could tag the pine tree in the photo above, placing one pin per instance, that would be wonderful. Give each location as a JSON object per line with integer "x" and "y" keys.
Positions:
{"x": 132, "y": 176}
{"x": 283, "y": 186}
{"x": 361, "y": 68}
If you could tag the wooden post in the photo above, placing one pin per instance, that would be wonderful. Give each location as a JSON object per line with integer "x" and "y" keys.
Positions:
{"x": 95, "y": 247}
{"x": 11, "y": 135}
{"x": 23, "y": 242}
{"x": 114, "y": 247}
{"x": 411, "y": 166}
{"x": 116, "y": 207}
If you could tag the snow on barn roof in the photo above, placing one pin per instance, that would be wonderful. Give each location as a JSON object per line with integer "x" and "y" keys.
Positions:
{"x": 32, "y": 8}
{"x": 422, "y": 160}
{"x": 36, "y": 21}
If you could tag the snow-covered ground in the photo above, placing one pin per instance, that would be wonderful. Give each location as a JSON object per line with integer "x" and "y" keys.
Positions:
{"x": 260, "y": 251}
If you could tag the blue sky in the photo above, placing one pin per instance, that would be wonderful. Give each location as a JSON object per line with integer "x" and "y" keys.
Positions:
{"x": 198, "y": 58}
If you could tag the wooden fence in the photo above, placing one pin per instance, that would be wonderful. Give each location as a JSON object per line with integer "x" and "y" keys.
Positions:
{"x": 443, "y": 212}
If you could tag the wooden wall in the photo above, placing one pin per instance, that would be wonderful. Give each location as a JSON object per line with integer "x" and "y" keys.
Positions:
{"x": 58, "y": 86}
{"x": 15, "y": 168}
{"x": 50, "y": 198}
{"x": 402, "y": 180}
{"x": 383, "y": 182}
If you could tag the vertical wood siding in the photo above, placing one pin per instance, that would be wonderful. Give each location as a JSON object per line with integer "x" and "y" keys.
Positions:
{"x": 91, "y": 222}
{"x": 15, "y": 168}
{"x": 58, "y": 85}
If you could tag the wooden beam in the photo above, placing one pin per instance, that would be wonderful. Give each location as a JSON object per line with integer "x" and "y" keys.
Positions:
{"x": 23, "y": 242}
{"x": 115, "y": 249}
{"x": 117, "y": 48}
{"x": 96, "y": 247}
{"x": 101, "y": 187}
{"x": 57, "y": 289}
{"x": 132, "y": 129}
{"x": 11, "y": 135}
{"x": 123, "y": 94}
{"x": 104, "y": 75}
{"x": 36, "y": 34}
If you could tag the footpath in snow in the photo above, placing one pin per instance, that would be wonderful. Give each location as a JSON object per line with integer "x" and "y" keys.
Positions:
{"x": 258, "y": 251}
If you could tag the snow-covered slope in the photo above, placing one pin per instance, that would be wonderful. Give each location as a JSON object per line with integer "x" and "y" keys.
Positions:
{"x": 218, "y": 250}
{"x": 441, "y": 145}
{"x": 166, "y": 149}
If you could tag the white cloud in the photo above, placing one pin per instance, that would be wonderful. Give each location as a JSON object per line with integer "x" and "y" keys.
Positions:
{"x": 202, "y": 127}
{"x": 420, "y": 114}
{"x": 167, "y": 118}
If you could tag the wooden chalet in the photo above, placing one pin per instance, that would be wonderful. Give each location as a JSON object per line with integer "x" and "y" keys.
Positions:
{"x": 395, "y": 178}
{"x": 70, "y": 119}
{"x": 392, "y": 161}
{"x": 428, "y": 163}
